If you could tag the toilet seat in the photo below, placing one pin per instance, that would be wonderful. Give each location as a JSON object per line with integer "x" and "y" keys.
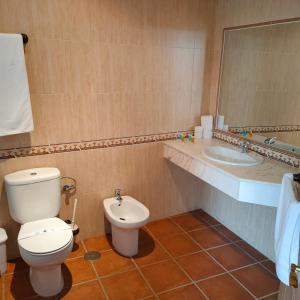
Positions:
{"x": 45, "y": 236}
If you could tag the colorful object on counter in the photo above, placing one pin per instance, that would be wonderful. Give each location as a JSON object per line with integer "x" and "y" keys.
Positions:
{"x": 250, "y": 133}
{"x": 190, "y": 138}
{"x": 244, "y": 132}
{"x": 179, "y": 136}
{"x": 185, "y": 136}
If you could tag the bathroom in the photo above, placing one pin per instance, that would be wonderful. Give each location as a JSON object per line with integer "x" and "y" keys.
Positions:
{"x": 117, "y": 91}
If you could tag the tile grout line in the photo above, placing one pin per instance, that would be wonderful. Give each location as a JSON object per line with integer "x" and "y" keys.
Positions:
{"x": 97, "y": 277}
{"x": 180, "y": 267}
{"x": 235, "y": 243}
{"x": 226, "y": 271}
{"x": 267, "y": 269}
{"x": 272, "y": 294}
{"x": 145, "y": 279}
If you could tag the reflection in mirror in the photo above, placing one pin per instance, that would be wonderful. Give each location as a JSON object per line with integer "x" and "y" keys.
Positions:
{"x": 259, "y": 92}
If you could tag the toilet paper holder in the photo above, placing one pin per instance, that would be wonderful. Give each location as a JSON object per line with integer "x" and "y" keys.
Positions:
{"x": 293, "y": 280}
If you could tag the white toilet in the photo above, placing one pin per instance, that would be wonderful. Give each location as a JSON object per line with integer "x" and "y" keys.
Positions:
{"x": 44, "y": 240}
{"x": 126, "y": 216}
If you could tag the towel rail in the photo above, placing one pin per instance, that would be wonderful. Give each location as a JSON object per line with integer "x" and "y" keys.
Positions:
{"x": 25, "y": 38}
{"x": 296, "y": 177}
{"x": 293, "y": 280}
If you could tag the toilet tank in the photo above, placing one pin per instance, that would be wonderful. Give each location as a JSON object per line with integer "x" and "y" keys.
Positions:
{"x": 33, "y": 194}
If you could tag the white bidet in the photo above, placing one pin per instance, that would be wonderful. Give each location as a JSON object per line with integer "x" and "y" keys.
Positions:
{"x": 126, "y": 216}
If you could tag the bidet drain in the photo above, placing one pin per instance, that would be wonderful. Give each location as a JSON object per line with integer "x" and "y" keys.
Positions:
{"x": 92, "y": 255}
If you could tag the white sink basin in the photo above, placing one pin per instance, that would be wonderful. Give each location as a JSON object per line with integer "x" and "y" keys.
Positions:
{"x": 232, "y": 157}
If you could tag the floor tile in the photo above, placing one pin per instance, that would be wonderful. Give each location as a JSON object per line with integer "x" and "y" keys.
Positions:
{"x": 273, "y": 297}
{"x": 163, "y": 227}
{"x": 270, "y": 266}
{"x": 18, "y": 286}
{"x": 89, "y": 290}
{"x": 257, "y": 280}
{"x": 77, "y": 250}
{"x": 206, "y": 217}
{"x": 189, "y": 292}
{"x": 179, "y": 244}
{"x": 99, "y": 243}
{"x": 79, "y": 269}
{"x": 164, "y": 276}
{"x": 225, "y": 288}
{"x": 231, "y": 257}
{"x": 208, "y": 238}
{"x": 228, "y": 233}
{"x": 128, "y": 285}
{"x": 149, "y": 250}
{"x": 249, "y": 249}
{"x": 189, "y": 221}
{"x": 199, "y": 265}
{"x": 15, "y": 265}
{"x": 111, "y": 262}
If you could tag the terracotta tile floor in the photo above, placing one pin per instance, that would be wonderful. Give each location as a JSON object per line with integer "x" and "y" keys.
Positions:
{"x": 185, "y": 257}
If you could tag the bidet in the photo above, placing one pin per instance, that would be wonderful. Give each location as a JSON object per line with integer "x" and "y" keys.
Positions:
{"x": 126, "y": 217}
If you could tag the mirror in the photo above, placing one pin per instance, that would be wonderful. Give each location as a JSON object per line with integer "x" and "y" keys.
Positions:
{"x": 259, "y": 88}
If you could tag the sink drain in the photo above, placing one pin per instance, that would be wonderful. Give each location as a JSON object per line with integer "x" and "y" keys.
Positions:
{"x": 122, "y": 219}
{"x": 92, "y": 255}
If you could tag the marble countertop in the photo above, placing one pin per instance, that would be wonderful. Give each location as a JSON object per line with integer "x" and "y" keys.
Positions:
{"x": 259, "y": 184}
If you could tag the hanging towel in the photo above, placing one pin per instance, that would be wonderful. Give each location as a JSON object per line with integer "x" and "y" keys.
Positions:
{"x": 15, "y": 107}
{"x": 287, "y": 230}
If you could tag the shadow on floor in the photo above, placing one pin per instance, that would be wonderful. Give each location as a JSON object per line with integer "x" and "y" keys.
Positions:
{"x": 20, "y": 287}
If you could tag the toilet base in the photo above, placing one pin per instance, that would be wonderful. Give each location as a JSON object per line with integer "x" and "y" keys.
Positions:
{"x": 47, "y": 281}
{"x": 125, "y": 241}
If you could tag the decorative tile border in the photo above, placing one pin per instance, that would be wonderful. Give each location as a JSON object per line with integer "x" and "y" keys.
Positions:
{"x": 87, "y": 145}
{"x": 260, "y": 129}
{"x": 229, "y": 137}
{"x": 283, "y": 156}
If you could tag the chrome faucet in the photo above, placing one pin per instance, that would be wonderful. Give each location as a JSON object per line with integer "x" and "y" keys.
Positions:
{"x": 245, "y": 146}
{"x": 118, "y": 194}
{"x": 270, "y": 141}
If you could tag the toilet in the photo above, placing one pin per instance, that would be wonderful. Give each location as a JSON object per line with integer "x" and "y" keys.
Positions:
{"x": 44, "y": 240}
{"x": 126, "y": 215}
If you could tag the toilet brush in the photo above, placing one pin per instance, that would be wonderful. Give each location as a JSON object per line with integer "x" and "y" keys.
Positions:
{"x": 74, "y": 227}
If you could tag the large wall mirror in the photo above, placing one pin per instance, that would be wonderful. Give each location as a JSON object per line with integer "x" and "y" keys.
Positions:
{"x": 259, "y": 89}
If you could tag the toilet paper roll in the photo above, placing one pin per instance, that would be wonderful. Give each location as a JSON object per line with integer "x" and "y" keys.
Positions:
{"x": 220, "y": 122}
{"x": 207, "y": 134}
{"x": 207, "y": 122}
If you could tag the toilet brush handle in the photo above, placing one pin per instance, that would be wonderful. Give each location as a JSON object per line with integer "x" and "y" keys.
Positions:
{"x": 74, "y": 212}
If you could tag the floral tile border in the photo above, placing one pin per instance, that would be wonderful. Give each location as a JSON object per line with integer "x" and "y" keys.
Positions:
{"x": 87, "y": 145}
{"x": 260, "y": 129}
{"x": 291, "y": 159}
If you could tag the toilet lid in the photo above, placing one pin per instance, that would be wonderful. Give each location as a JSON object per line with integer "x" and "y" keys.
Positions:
{"x": 46, "y": 235}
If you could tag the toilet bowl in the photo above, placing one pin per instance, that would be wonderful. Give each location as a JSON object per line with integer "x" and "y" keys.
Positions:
{"x": 126, "y": 217}
{"x": 44, "y": 245}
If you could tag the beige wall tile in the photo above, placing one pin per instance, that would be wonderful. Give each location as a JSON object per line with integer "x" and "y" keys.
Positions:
{"x": 104, "y": 69}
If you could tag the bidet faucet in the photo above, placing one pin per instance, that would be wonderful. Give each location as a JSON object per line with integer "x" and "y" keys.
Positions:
{"x": 245, "y": 146}
{"x": 118, "y": 194}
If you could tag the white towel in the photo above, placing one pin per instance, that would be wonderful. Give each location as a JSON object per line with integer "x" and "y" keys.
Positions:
{"x": 15, "y": 107}
{"x": 287, "y": 230}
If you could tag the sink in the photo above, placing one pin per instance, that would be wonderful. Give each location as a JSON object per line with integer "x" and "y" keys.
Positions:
{"x": 231, "y": 156}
